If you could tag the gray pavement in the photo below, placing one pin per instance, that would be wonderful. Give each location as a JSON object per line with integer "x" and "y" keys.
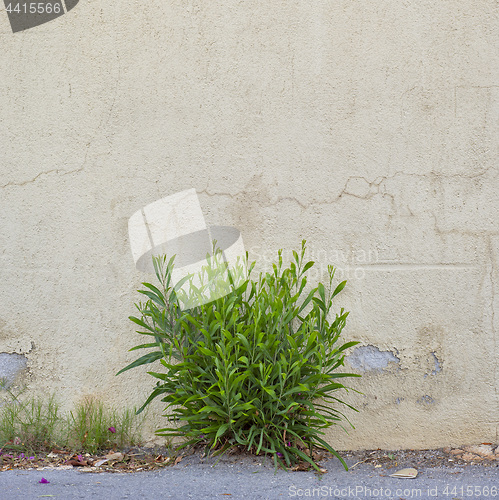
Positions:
{"x": 245, "y": 478}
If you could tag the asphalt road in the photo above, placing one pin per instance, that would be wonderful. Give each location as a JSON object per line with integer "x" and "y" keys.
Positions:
{"x": 252, "y": 479}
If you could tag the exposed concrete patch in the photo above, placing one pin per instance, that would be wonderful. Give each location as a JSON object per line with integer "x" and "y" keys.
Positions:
{"x": 11, "y": 366}
{"x": 437, "y": 365}
{"x": 370, "y": 358}
{"x": 426, "y": 400}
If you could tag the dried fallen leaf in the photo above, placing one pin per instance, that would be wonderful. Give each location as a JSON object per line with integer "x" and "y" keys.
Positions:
{"x": 178, "y": 459}
{"x": 77, "y": 463}
{"x": 405, "y": 473}
{"x": 100, "y": 462}
{"x": 302, "y": 466}
{"x": 115, "y": 456}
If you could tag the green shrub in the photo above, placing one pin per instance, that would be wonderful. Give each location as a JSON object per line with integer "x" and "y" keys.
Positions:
{"x": 257, "y": 367}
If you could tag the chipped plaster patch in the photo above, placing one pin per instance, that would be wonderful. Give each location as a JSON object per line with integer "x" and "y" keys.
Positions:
{"x": 427, "y": 400}
{"x": 370, "y": 358}
{"x": 11, "y": 366}
{"x": 438, "y": 365}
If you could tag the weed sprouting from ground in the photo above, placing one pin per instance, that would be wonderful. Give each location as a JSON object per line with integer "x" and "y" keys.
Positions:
{"x": 28, "y": 425}
{"x": 93, "y": 428}
{"x": 258, "y": 366}
{"x": 33, "y": 425}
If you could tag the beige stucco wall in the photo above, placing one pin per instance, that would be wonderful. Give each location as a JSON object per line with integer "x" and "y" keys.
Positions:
{"x": 370, "y": 128}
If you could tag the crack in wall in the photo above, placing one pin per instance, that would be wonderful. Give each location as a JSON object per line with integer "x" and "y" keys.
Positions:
{"x": 47, "y": 172}
{"x": 101, "y": 125}
{"x": 373, "y": 187}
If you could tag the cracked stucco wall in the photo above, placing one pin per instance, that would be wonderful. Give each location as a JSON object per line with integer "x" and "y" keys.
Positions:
{"x": 368, "y": 128}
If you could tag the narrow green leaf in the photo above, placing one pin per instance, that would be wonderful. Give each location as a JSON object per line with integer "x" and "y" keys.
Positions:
{"x": 143, "y": 360}
{"x": 338, "y": 289}
{"x": 144, "y": 346}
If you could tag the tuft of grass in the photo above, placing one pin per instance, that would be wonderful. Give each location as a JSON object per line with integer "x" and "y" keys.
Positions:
{"x": 29, "y": 425}
{"x": 36, "y": 425}
{"x": 92, "y": 428}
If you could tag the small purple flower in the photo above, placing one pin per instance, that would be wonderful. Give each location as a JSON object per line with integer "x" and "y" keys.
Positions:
{"x": 80, "y": 458}
{"x": 21, "y": 455}
{"x": 279, "y": 454}
{"x": 112, "y": 430}
{"x": 31, "y": 458}
{"x": 288, "y": 443}
{"x": 44, "y": 481}
{"x": 201, "y": 436}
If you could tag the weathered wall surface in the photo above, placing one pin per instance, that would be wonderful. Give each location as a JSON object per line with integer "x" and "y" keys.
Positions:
{"x": 368, "y": 128}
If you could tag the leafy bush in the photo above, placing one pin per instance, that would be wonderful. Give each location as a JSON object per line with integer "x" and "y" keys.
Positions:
{"x": 257, "y": 367}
